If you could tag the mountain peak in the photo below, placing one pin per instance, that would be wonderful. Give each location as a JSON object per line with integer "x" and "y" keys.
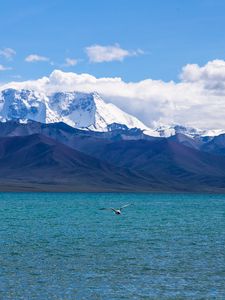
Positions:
{"x": 77, "y": 109}
{"x": 173, "y": 129}
{"x": 22, "y": 104}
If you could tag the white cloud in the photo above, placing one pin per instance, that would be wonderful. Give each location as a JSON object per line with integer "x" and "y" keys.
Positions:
{"x": 8, "y": 53}
{"x": 99, "y": 54}
{"x": 213, "y": 71}
{"x": 70, "y": 62}
{"x": 198, "y": 100}
{"x": 36, "y": 58}
{"x": 211, "y": 75}
{"x": 3, "y": 68}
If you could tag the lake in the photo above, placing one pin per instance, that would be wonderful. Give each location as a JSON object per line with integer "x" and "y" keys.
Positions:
{"x": 61, "y": 246}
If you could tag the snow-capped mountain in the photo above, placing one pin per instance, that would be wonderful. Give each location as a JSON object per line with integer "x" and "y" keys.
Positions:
{"x": 22, "y": 105}
{"x": 86, "y": 111}
{"x": 170, "y": 130}
{"x": 79, "y": 110}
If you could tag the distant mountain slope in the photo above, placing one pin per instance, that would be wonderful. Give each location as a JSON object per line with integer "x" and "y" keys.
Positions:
{"x": 72, "y": 137}
{"x": 36, "y": 162}
{"x": 171, "y": 162}
{"x": 58, "y": 157}
{"x": 215, "y": 145}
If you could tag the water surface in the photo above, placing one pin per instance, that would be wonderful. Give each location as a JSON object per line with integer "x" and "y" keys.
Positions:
{"x": 61, "y": 246}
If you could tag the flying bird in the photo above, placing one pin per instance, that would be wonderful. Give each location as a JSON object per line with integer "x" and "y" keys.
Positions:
{"x": 116, "y": 211}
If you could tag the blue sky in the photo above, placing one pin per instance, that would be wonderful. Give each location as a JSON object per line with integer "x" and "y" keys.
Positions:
{"x": 158, "y": 37}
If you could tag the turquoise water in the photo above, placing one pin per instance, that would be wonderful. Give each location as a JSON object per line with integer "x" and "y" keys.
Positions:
{"x": 61, "y": 246}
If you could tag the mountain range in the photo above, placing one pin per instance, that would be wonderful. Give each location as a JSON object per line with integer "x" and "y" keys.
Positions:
{"x": 77, "y": 142}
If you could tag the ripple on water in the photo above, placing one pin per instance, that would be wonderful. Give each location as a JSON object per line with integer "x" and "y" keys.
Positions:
{"x": 60, "y": 246}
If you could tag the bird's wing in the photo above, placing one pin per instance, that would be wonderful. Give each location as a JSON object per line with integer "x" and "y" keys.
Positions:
{"x": 124, "y": 206}
{"x": 108, "y": 208}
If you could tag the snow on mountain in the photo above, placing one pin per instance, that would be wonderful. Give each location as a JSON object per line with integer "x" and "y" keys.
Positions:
{"x": 82, "y": 110}
{"x": 24, "y": 104}
{"x": 79, "y": 110}
{"x": 170, "y": 130}
{"x": 213, "y": 132}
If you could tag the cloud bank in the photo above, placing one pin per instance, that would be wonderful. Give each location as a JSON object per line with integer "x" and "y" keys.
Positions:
{"x": 99, "y": 54}
{"x": 198, "y": 100}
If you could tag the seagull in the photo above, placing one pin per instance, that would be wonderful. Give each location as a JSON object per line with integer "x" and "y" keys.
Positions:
{"x": 116, "y": 211}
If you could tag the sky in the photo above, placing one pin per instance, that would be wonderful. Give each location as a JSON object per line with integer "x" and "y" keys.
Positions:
{"x": 170, "y": 54}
